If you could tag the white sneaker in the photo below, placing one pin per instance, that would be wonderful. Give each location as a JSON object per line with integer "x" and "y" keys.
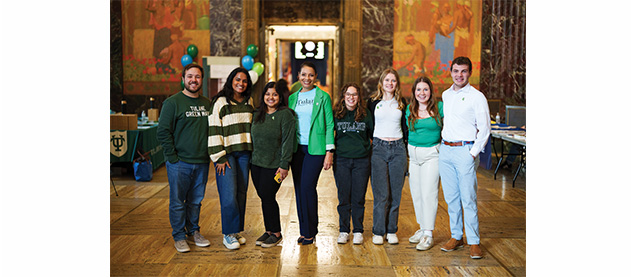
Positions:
{"x": 240, "y": 238}
{"x": 231, "y": 242}
{"x": 342, "y": 238}
{"x": 416, "y": 238}
{"x": 358, "y": 238}
{"x": 376, "y": 239}
{"x": 425, "y": 243}
{"x": 392, "y": 238}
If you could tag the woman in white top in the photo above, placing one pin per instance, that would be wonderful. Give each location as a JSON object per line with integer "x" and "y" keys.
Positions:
{"x": 389, "y": 156}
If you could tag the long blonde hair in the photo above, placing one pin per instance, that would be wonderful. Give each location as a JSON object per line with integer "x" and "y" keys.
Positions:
{"x": 397, "y": 91}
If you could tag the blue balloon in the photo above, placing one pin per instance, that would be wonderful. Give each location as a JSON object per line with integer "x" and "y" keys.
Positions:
{"x": 247, "y": 61}
{"x": 186, "y": 60}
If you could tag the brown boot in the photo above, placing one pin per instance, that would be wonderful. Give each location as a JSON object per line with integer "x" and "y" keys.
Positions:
{"x": 452, "y": 245}
{"x": 475, "y": 251}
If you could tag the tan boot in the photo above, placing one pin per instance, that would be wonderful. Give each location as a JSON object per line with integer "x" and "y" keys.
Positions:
{"x": 452, "y": 245}
{"x": 475, "y": 251}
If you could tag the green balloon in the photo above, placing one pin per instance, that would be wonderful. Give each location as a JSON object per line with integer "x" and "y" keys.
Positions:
{"x": 182, "y": 84}
{"x": 253, "y": 50}
{"x": 192, "y": 50}
{"x": 258, "y": 68}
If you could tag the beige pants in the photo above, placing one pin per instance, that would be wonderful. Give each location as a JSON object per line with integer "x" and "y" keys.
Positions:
{"x": 424, "y": 184}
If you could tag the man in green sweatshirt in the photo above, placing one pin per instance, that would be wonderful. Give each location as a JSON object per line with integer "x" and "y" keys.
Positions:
{"x": 183, "y": 133}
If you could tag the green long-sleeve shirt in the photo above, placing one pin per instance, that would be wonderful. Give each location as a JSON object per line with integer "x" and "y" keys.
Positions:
{"x": 183, "y": 128}
{"x": 273, "y": 140}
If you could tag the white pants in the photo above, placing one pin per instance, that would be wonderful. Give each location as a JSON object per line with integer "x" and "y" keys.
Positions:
{"x": 424, "y": 184}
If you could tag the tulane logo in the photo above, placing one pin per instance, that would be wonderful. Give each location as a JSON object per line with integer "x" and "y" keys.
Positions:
{"x": 118, "y": 143}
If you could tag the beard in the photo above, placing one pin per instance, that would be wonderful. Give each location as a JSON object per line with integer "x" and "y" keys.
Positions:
{"x": 188, "y": 87}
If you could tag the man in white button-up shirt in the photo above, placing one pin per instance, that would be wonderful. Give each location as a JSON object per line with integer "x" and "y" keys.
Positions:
{"x": 465, "y": 133}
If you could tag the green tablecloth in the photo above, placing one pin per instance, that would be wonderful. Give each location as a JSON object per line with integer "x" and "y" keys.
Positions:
{"x": 124, "y": 143}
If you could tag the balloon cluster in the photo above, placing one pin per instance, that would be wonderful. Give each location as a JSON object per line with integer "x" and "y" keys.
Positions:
{"x": 187, "y": 59}
{"x": 254, "y": 68}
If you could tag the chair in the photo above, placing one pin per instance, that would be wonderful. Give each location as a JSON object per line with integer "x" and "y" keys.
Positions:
{"x": 516, "y": 116}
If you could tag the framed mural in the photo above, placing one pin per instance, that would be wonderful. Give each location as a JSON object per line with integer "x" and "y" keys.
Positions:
{"x": 156, "y": 36}
{"x": 429, "y": 34}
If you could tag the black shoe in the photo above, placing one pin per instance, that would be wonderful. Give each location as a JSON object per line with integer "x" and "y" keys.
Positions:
{"x": 271, "y": 241}
{"x": 262, "y": 238}
{"x": 307, "y": 241}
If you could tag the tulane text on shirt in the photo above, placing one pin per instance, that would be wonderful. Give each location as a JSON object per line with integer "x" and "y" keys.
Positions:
{"x": 197, "y": 111}
{"x": 304, "y": 102}
{"x": 351, "y": 126}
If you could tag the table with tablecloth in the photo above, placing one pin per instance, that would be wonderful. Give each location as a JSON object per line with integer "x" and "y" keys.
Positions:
{"x": 514, "y": 135}
{"x": 125, "y": 145}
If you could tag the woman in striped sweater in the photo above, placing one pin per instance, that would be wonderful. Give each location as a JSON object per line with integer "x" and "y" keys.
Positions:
{"x": 230, "y": 148}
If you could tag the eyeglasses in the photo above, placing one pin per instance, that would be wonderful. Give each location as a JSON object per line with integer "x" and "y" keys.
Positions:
{"x": 351, "y": 94}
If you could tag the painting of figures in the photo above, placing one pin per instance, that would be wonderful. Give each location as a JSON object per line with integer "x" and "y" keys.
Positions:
{"x": 429, "y": 34}
{"x": 156, "y": 36}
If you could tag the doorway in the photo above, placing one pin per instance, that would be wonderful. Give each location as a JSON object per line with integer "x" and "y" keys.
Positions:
{"x": 289, "y": 46}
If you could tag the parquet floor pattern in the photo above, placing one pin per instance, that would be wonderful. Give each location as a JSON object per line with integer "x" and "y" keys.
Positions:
{"x": 141, "y": 243}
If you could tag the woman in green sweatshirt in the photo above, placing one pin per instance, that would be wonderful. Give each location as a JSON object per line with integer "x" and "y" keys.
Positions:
{"x": 353, "y": 127}
{"x": 273, "y": 132}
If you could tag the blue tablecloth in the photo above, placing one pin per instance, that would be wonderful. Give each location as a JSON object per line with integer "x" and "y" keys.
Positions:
{"x": 505, "y": 127}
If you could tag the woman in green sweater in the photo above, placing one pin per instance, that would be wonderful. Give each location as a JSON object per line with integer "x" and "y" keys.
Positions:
{"x": 353, "y": 127}
{"x": 424, "y": 119}
{"x": 273, "y": 134}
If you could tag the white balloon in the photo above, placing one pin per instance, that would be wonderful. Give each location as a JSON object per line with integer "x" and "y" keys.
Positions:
{"x": 253, "y": 76}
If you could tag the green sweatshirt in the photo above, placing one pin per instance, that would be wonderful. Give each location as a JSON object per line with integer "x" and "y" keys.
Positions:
{"x": 183, "y": 128}
{"x": 352, "y": 137}
{"x": 273, "y": 140}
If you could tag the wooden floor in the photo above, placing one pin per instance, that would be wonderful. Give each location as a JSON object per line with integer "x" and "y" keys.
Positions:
{"x": 141, "y": 243}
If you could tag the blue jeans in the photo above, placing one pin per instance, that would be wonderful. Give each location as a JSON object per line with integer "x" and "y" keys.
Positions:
{"x": 351, "y": 178}
{"x": 233, "y": 189}
{"x": 187, "y": 185}
{"x": 458, "y": 175}
{"x": 305, "y": 169}
{"x": 388, "y": 166}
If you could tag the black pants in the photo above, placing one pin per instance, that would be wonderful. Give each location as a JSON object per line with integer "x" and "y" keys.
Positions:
{"x": 266, "y": 188}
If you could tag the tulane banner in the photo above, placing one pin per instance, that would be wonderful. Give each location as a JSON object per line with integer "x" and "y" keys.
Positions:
{"x": 118, "y": 143}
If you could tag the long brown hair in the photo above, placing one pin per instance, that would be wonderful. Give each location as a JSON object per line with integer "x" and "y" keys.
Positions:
{"x": 432, "y": 104}
{"x": 340, "y": 107}
{"x": 397, "y": 91}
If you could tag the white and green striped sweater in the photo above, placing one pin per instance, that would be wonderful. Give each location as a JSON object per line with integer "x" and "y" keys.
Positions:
{"x": 229, "y": 128}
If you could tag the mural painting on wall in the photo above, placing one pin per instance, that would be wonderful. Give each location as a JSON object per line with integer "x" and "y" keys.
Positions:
{"x": 429, "y": 34}
{"x": 156, "y": 35}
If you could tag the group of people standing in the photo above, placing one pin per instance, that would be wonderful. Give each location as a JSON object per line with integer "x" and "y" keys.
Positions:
{"x": 358, "y": 139}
